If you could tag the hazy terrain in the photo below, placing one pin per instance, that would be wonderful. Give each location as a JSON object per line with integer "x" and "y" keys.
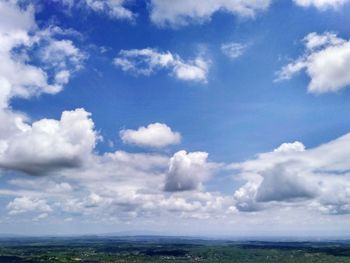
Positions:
{"x": 167, "y": 249}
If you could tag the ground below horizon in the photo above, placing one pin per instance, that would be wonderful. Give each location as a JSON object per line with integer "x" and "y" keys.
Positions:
{"x": 157, "y": 249}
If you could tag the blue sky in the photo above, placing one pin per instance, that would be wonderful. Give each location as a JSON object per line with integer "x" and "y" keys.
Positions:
{"x": 223, "y": 113}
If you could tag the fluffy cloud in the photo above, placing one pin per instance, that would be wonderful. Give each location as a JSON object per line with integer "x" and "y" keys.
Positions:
{"x": 282, "y": 183}
{"x": 121, "y": 187}
{"x": 126, "y": 187}
{"x": 321, "y": 4}
{"x": 62, "y": 55}
{"x": 187, "y": 171}
{"x": 21, "y": 41}
{"x": 24, "y": 204}
{"x": 23, "y": 79}
{"x": 181, "y": 12}
{"x": 156, "y": 135}
{"x": 290, "y": 147}
{"x": 49, "y": 144}
{"x": 147, "y": 61}
{"x": 316, "y": 177}
{"x": 326, "y": 61}
{"x": 35, "y": 62}
{"x": 233, "y": 50}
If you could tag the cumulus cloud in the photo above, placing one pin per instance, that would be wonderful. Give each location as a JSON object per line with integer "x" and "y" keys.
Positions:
{"x": 121, "y": 187}
{"x": 233, "y": 49}
{"x": 126, "y": 187}
{"x": 187, "y": 171}
{"x": 182, "y": 12}
{"x": 62, "y": 55}
{"x": 23, "y": 79}
{"x": 156, "y": 135}
{"x": 21, "y": 41}
{"x": 245, "y": 197}
{"x": 284, "y": 184}
{"x": 321, "y": 4}
{"x": 35, "y": 62}
{"x": 290, "y": 147}
{"x": 49, "y": 144}
{"x": 24, "y": 204}
{"x": 326, "y": 61}
{"x": 147, "y": 61}
{"x": 297, "y": 175}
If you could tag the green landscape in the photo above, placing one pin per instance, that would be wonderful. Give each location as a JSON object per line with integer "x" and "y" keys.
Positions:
{"x": 168, "y": 249}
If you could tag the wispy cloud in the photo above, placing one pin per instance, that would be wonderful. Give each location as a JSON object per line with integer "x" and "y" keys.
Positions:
{"x": 233, "y": 49}
{"x": 148, "y": 61}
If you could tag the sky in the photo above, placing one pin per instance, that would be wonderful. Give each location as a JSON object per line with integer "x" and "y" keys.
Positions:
{"x": 174, "y": 117}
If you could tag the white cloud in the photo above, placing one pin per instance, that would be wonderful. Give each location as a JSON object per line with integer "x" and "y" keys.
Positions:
{"x": 245, "y": 197}
{"x": 24, "y": 204}
{"x": 11, "y": 121}
{"x": 20, "y": 37}
{"x": 49, "y": 144}
{"x": 20, "y": 76}
{"x": 187, "y": 171}
{"x": 124, "y": 187}
{"x": 44, "y": 184}
{"x": 316, "y": 177}
{"x": 326, "y": 61}
{"x": 41, "y": 216}
{"x": 182, "y": 12}
{"x": 156, "y": 135}
{"x": 113, "y": 8}
{"x": 233, "y": 49}
{"x": 15, "y": 23}
{"x": 62, "y": 55}
{"x": 121, "y": 187}
{"x": 290, "y": 147}
{"x": 46, "y": 144}
{"x": 321, "y": 4}
{"x": 139, "y": 161}
{"x": 147, "y": 61}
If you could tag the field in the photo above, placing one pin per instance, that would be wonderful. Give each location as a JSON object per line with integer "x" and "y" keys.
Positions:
{"x": 166, "y": 249}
